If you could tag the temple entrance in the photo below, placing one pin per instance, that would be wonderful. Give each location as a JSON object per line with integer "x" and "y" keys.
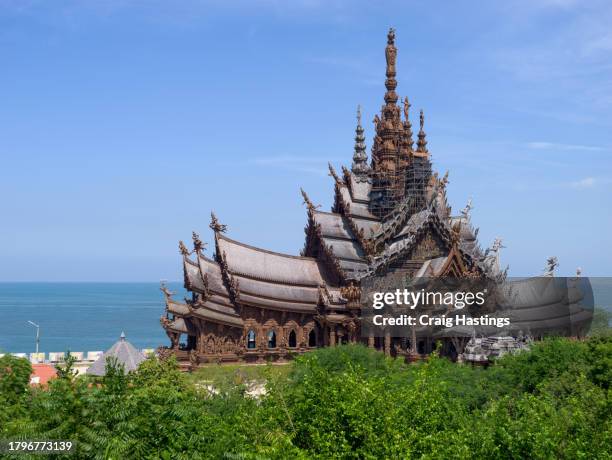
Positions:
{"x": 271, "y": 339}
{"x": 292, "y": 339}
{"x": 251, "y": 340}
{"x": 312, "y": 338}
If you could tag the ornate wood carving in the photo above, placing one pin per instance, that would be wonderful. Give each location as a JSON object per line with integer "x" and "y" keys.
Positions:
{"x": 427, "y": 248}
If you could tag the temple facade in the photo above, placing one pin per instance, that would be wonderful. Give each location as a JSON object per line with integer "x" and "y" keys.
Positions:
{"x": 389, "y": 215}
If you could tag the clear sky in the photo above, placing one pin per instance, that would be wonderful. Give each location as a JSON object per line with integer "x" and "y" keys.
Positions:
{"x": 124, "y": 123}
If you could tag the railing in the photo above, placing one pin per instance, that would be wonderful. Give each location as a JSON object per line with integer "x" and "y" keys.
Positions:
{"x": 58, "y": 357}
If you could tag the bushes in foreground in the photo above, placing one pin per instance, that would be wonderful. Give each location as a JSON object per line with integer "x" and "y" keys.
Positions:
{"x": 344, "y": 402}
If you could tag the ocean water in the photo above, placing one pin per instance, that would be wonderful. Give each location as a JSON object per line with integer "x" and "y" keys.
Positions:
{"x": 81, "y": 316}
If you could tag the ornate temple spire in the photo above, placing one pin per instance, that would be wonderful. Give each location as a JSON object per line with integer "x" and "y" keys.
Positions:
{"x": 408, "y": 142}
{"x": 390, "y": 153}
{"x": 360, "y": 157}
{"x": 390, "y": 56}
{"x": 215, "y": 225}
{"x": 389, "y": 130}
{"x": 422, "y": 142}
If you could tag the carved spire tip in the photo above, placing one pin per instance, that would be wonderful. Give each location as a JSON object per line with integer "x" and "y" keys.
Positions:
{"x": 215, "y": 226}
{"x": 311, "y": 207}
{"x": 332, "y": 172}
{"x": 183, "y": 249}
{"x": 198, "y": 244}
{"x": 422, "y": 141}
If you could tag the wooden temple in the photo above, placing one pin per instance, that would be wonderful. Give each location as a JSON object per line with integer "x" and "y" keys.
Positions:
{"x": 389, "y": 214}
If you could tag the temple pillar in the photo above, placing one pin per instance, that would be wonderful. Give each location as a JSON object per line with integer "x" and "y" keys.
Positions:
{"x": 332, "y": 336}
{"x": 175, "y": 339}
{"x": 371, "y": 340}
{"x": 200, "y": 325}
{"x": 387, "y": 343}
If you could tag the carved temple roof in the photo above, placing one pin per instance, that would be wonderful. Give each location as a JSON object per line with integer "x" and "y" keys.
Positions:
{"x": 181, "y": 325}
{"x": 337, "y": 235}
{"x": 260, "y": 264}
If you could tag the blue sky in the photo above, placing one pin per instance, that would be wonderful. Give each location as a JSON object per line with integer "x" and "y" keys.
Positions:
{"x": 124, "y": 123}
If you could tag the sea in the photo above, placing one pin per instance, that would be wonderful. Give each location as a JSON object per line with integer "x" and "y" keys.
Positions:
{"x": 92, "y": 316}
{"x": 81, "y": 316}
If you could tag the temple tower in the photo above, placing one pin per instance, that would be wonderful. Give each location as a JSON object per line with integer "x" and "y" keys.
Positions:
{"x": 389, "y": 150}
{"x": 360, "y": 158}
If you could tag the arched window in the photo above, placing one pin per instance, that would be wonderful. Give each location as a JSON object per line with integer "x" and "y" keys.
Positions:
{"x": 271, "y": 339}
{"x": 251, "y": 339}
{"x": 292, "y": 340}
{"x": 312, "y": 338}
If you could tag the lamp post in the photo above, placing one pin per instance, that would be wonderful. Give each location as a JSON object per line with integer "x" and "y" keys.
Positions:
{"x": 37, "y": 336}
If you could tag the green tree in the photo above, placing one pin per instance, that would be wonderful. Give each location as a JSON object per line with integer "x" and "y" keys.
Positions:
{"x": 14, "y": 378}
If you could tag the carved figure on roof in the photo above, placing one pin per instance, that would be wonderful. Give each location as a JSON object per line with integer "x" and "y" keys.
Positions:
{"x": 444, "y": 181}
{"x": 332, "y": 172}
{"x": 164, "y": 288}
{"x": 456, "y": 233}
{"x": 307, "y": 202}
{"x": 351, "y": 293}
{"x": 491, "y": 258}
{"x": 465, "y": 212}
{"x": 183, "y": 249}
{"x": 198, "y": 245}
{"x": 406, "y": 108}
{"x": 422, "y": 137}
{"x": 215, "y": 225}
{"x": 391, "y": 52}
{"x": 551, "y": 264}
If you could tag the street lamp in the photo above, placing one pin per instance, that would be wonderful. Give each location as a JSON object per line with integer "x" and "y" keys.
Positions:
{"x": 37, "y": 335}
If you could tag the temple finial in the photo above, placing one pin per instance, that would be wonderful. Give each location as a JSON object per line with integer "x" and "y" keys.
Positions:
{"x": 390, "y": 56}
{"x": 465, "y": 212}
{"x": 422, "y": 142}
{"x": 332, "y": 172}
{"x": 551, "y": 264}
{"x": 311, "y": 207}
{"x": 360, "y": 157}
{"x": 198, "y": 245}
{"x": 407, "y": 125}
{"x": 215, "y": 225}
{"x": 183, "y": 249}
{"x": 406, "y": 108}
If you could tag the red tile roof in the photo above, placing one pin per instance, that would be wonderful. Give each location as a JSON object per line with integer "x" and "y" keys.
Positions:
{"x": 41, "y": 374}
